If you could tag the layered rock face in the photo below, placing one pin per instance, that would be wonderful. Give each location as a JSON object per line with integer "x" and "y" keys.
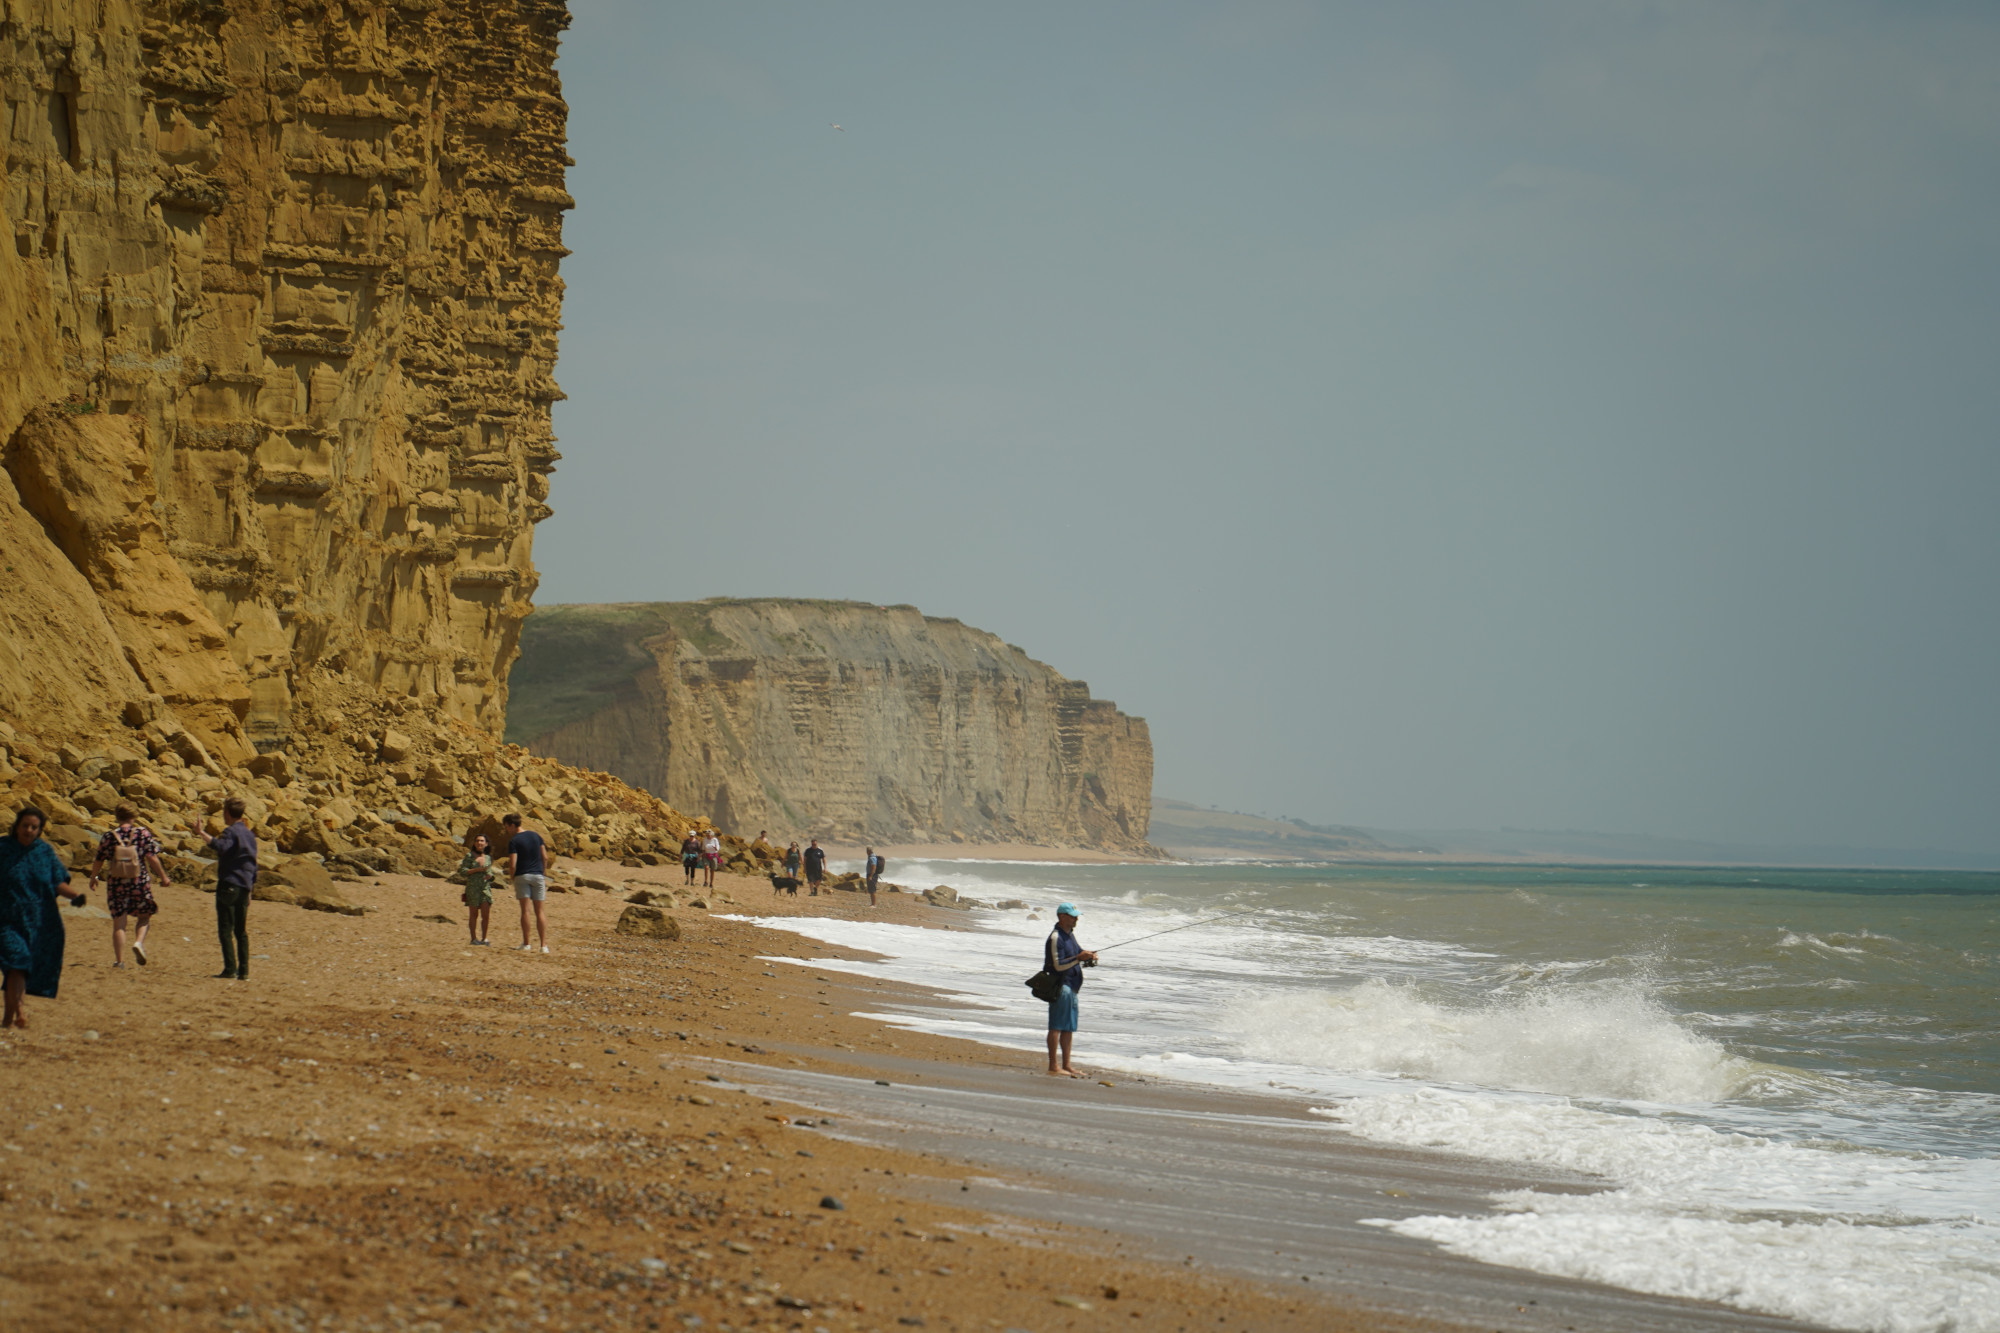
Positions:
{"x": 280, "y": 303}
{"x": 278, "y": 311}
{"x": 836, "y": 719}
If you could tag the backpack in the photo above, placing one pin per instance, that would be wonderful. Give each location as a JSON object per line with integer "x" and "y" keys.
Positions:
{"x": 875, "y": 872}
{"x": 124, "y": 867}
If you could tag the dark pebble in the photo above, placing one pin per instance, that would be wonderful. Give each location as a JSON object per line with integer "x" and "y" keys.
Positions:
{"x": 828, "y": 1201}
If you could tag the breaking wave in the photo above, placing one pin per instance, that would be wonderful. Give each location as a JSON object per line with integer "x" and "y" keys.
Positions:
{"x": 1611, "y": 1042}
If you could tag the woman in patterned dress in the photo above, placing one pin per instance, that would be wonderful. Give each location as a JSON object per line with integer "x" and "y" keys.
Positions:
{"x": 477, "y": 867}
{"x": 129, "y": 895}
{"x": 31, "y": 929}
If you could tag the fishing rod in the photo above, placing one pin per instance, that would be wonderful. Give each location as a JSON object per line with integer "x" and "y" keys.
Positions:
{"x": 1248, "y": 911}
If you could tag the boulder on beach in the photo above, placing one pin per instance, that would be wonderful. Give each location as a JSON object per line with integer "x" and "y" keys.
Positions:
{"x": 648, "y": 923}
{"x": 306, "y": 884}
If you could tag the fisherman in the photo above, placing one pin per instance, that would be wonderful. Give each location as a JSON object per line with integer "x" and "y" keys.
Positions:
{"x": 1062, "y": 955}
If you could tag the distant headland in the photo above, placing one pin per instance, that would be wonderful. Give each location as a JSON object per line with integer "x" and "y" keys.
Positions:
{"x": 840, "y": 720}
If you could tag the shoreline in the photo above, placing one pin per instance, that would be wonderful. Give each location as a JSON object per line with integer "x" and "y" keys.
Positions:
{"x": 385, "y": 1124}
{"x": 386, "y": 1127}
{"x": 987, "y": 851}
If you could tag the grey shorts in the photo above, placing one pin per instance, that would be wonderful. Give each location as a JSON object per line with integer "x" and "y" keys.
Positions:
{"x": 531, "y": 888}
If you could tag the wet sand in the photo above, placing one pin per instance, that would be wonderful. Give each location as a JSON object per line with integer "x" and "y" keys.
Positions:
{"x": 387, "y": 1128}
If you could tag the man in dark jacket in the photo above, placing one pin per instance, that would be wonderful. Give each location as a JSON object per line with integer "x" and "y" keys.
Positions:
{"x": 815, "y": 865}
{"x": 235, "y": 851}
{"x": 1062, "y": 955}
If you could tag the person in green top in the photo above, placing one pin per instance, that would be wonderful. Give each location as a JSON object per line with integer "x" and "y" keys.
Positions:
{"x": 477, "y": 867}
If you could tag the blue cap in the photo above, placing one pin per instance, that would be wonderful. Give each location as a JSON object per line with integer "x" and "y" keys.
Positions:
{"x": 1066, "y": 909}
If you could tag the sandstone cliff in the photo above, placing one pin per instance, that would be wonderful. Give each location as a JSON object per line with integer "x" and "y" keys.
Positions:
{"x": 289, "y": 270}
{"x": 278, "y": 314}
{"x": 836, "y": 719}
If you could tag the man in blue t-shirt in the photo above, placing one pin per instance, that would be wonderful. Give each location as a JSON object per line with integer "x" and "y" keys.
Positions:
{"x": 528, "y": 865}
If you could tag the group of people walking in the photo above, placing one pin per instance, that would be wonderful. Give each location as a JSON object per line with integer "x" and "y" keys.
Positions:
{"x": 701, "y": 853}
{"x": 33, "y": 877}
{"x": 809, "y": 866}
{"x": 127, "y": 862}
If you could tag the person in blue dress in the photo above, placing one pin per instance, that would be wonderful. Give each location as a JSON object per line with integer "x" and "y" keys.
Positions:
{"x": 31, "y": 929}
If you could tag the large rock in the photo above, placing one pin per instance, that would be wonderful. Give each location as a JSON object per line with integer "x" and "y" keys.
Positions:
{"x": 497, "y": 833}
{"x": 836, "y": 719}
{"x": 193, "y": 872}
{"x": 301, "y": 883}
{"x": 77, "y": 845}
{"x": 313, "y": 836}
{"x": 647, "y": 923}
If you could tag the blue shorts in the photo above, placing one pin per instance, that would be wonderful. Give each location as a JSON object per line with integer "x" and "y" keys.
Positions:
{"x": 1062, "y": 1011}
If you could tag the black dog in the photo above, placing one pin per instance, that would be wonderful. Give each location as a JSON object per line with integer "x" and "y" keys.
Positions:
{"x": 785, "y": 883}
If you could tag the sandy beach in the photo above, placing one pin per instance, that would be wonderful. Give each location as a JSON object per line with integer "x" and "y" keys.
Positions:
{"x": 385, "y": 1127}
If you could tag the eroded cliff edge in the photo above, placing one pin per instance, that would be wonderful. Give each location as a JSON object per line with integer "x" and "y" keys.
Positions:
{"x": 838, "y": 719}
{"x": 278, "y": 315}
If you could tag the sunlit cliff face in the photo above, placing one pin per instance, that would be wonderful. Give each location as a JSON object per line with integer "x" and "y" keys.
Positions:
{"x": 298, "y": 264}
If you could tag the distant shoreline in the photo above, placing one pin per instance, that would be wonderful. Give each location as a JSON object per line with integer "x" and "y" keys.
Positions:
{"x": 983, "y": 851}
{"x": 1227, "y": 855}
{"x": 1019, "y": 851}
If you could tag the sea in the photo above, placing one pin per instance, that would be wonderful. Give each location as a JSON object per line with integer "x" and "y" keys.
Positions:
{"x": 1788, "y": 1080}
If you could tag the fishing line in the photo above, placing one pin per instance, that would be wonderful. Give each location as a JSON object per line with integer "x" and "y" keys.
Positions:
{"x": 1248, "y": 911}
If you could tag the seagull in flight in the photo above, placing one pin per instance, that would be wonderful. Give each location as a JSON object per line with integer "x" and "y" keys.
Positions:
{"x": 843, "y": 131}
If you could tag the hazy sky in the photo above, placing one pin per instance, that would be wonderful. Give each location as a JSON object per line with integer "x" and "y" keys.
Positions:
{"x": 1557, "y": 416}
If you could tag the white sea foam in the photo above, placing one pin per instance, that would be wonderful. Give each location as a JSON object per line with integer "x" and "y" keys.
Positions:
{"x": 1885, "y": 1279}
{"x": 1581, "y": 1040}
{"x": 1725, "y": 1179}
{"x": 1854, "y": 1239}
